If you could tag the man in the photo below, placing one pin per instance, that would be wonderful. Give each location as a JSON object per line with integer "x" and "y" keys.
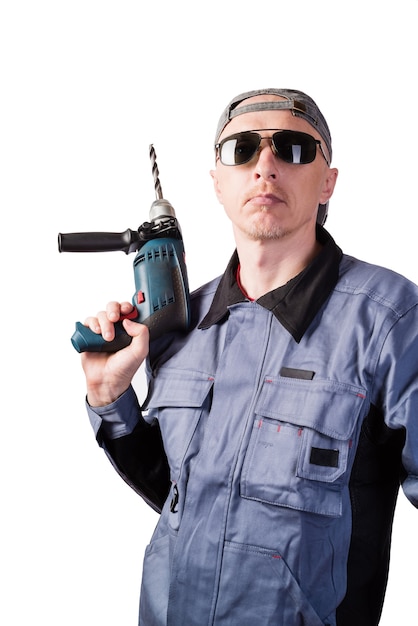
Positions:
{"x": 277, "y": 431}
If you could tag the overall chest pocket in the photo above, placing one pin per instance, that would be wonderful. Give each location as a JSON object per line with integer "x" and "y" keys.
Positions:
{"x": 178, "y": 399}
{"x": 298, "y": 452}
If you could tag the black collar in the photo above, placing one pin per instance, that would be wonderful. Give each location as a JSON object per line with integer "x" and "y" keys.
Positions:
{"x": 296, "y": 303}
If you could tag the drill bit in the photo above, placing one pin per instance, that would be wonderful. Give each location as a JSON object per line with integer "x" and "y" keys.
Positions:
{"x": 155, "y": 173}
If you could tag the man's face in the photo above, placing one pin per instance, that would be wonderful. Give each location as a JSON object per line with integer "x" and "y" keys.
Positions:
{"x": 268, "y": 198}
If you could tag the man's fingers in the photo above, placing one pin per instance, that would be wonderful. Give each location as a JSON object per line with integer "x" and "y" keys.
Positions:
{"x": 93, "y": 324}
{"x": 107, "y": 325}
{"x": 134, "y": 329}
{"x": 103, "y": 322}
{"x": 115, "y": 310}
{"x": 140, "y": 337}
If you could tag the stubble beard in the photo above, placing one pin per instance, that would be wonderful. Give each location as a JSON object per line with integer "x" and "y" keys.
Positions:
{"x": 258, "y": 230}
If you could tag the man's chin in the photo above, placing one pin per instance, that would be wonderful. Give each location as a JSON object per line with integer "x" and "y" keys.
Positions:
{"x": 264, "y": 233}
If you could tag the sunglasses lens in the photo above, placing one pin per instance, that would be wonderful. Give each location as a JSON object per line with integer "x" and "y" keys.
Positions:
{"x": 295, "y": 147}
{"x": 238, "y": 149}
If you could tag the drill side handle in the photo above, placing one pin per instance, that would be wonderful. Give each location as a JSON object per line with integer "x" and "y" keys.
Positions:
{"x": 128, "y": 241}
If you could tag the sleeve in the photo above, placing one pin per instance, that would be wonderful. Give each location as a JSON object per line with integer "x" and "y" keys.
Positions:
{"x": 399, "y": 381}
{"x": 133, "y": 446}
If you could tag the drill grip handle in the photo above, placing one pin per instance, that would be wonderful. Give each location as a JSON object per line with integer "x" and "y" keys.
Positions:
{"x": 85, "y": 340}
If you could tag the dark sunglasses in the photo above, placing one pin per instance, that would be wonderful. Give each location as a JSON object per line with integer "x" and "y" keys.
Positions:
{"x": 290, "y": 146}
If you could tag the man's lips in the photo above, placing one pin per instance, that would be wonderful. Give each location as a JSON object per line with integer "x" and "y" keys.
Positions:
{"x": 267, "y": 199}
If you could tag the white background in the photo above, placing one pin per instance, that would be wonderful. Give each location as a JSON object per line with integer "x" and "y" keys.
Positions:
{"x": 86, "y": 86}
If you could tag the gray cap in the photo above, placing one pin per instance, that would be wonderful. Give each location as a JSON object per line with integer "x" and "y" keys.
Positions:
{"x": 298, "y": 102}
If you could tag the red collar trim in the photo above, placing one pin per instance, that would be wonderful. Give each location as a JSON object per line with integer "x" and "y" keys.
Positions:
{"x": 238, "y": 279}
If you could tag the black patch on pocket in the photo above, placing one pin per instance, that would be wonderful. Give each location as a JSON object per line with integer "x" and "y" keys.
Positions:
{"x": 291, "y": 372}
{"x": 324, "y": 457}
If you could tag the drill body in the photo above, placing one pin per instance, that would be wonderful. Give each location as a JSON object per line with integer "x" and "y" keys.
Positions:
{"x": 161, "y": 297}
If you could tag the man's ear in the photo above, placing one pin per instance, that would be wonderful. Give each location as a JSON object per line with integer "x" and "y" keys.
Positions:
{"x": 216, "y": 185}
{"x": 329, "y": 185}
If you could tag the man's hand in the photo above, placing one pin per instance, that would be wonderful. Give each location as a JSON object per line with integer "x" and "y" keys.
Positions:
{"x": 108, "y": 375}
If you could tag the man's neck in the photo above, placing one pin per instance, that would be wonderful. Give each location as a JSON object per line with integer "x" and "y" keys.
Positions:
{"x": 267, "y": 265}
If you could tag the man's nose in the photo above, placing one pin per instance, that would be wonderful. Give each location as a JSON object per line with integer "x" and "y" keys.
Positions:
{"x": 267, "y": 162}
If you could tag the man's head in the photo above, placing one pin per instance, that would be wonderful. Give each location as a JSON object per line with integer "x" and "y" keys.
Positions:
{"x": 300, "y": 105}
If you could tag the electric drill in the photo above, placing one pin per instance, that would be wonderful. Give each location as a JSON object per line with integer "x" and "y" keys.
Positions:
{"x": 161, "y": 299}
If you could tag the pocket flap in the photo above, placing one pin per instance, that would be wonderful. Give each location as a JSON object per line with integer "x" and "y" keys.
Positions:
{"x": 178, "y": 388}
{"x": 328, "y": 407}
